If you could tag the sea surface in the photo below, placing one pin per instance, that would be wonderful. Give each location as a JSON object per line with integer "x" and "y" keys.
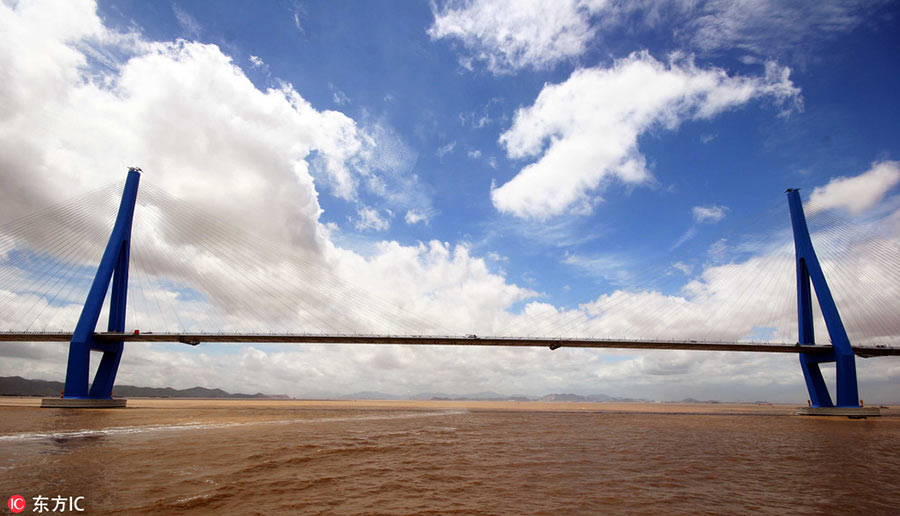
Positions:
{"x": 290, "y": 457}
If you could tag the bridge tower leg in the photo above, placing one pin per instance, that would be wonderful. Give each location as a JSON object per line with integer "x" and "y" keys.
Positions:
{"x": 113, "y": 267}
{"x": 810, "y": 271}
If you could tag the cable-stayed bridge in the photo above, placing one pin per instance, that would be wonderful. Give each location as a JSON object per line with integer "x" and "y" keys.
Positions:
{"x": 173, "y": 274}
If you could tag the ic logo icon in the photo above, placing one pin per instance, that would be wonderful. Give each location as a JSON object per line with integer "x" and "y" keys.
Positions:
{"x": 16, "y": 503}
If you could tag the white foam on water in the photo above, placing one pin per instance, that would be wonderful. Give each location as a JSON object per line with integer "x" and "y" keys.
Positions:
{"x": 191, "y": 498}
{"x": 130, "y": 430}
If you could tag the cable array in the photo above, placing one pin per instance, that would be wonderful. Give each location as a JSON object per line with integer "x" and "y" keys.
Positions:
{"x": 193, "y": 272}
{"x": 739, "y": 295}
{"x": 861, "y": 261}
{"x": 47, "y": 260}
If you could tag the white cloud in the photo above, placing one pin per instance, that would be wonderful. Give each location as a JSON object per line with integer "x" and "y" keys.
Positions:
{"x": 513, "y": 34}
{"x": 709, "y": 213}
{"x": 690, "y": 233}
{"x": 369, "y": 218}
{"x": 683, "y": 267}
{"x": 437, "y": 281}
{"x": 257, "y": 62}
{"x": 585, "y": 130}
{"x": 443, "y": 150}
{"x": 474, "y": 154}
{"x": 702, "y": 215}
{"x": 413, "y": 217}
{"x": 856, "y": 194}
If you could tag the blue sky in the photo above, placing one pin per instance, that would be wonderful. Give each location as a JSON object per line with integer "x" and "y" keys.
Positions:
{"x": 492, "y": 165}
{"x": 378, "y": 64}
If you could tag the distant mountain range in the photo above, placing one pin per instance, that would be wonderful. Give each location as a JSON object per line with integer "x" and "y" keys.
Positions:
{"x": 18, "y": 386}
{"x": 484, "y": 396}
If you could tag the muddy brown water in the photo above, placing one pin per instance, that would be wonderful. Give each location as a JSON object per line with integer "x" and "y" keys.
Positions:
{"x": 286, "y": 457}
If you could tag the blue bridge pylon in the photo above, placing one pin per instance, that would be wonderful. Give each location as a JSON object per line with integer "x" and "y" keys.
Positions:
{"x": 113, "y": 267}
{"x": 810, "y": 271}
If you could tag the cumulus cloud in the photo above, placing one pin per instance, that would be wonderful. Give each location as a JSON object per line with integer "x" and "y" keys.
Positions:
{"x": 858, "y": 193}
{"x": 226, "y": 133}
{"x": 204, "y": 135}
{"x": 440, "y": 282}
{"x": 514, "y": 34}
{"x": 584, "y": 131}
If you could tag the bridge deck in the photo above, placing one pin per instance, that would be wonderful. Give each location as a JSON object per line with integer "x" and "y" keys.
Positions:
{"x": 423, "y": 340}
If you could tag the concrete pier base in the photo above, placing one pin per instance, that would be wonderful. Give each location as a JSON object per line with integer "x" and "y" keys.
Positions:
{"x": 851, "y": 412}
{"x": 82, "y": 403}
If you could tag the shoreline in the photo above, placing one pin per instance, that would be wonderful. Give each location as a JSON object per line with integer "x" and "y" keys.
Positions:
{"x": 673, "y": 408}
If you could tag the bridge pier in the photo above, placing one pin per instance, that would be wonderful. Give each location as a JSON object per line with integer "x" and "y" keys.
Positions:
{"x": 113, "y": 267}
{"x": 851, "y": 412}
{"x": 810, "y": 277}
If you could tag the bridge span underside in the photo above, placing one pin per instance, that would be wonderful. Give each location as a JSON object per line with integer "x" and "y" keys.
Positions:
{"x": 424, "y": 340}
